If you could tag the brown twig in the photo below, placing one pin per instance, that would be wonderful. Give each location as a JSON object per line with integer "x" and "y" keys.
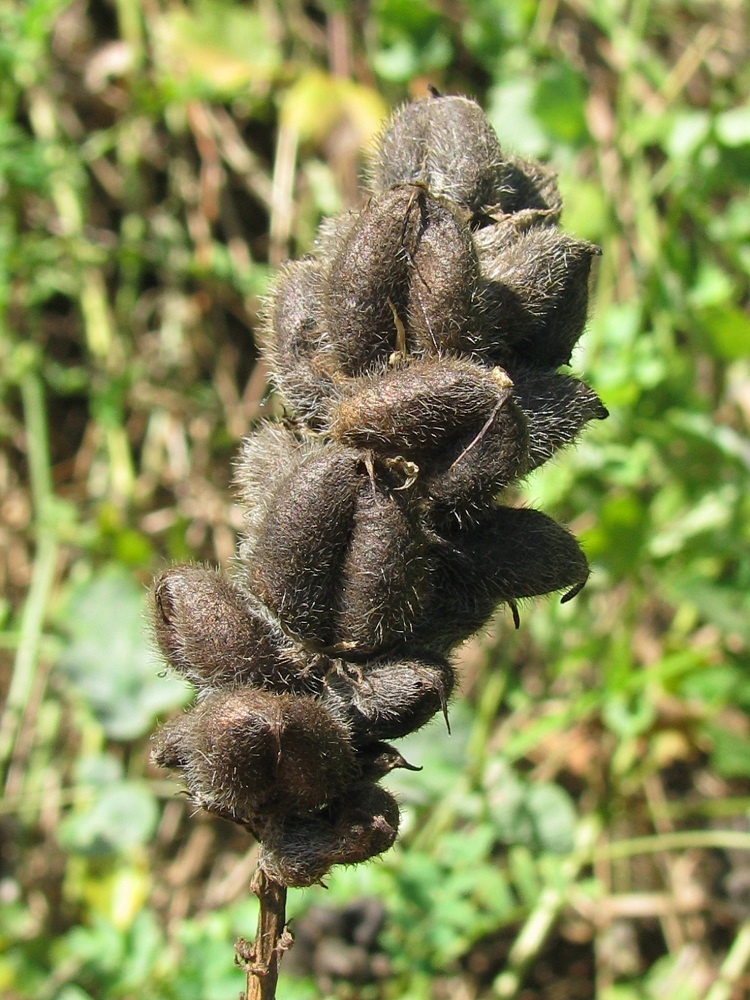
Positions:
{"x": 261, "y": 959}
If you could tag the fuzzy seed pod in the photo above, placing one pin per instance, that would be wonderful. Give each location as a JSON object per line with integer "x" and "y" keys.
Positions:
{"x": 378, "y": 759}
{"x": 455, "y": 419}
{"x": 350, "y": 583}
{"x": 300, "y": 850}
{"x": 416, "y": 410}
{"x": 248, "y": 752}
{"x": 447, "y": 144}
{"x": 302, "y": 543}
{"x": 301, "y": 363}
{"x": 507, "y": 555}
{"x": 390, "y": 698}
{"x": 535, "y": 295}
{"x": 487, "y": 458}
{"x": 366, "y": 290}
{"x": 556, "y": 408}
{"x": 215, "y": 635}
{"x": 269, "y": 457}
{"x": 443, "y": 283}
{"x": 530, "y": 193}
{"x": 385, "y": 576}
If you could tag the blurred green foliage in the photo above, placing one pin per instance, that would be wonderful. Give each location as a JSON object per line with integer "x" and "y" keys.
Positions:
{"x": 156, "y": 162}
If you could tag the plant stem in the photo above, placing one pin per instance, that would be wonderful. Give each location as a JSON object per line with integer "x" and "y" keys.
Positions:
{"x": 45, "y": 561}
{"x": 261, "y": 959}
{"x": 535, "y": 931}
{"x": 733, "y": 968}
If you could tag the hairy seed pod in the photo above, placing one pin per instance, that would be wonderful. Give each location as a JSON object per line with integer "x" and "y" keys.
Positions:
{"x": 556, "y": 408}
{"x": 366, "y": 290}
{"x": 301, "y": 362}
{"x": 340, "y": 558}
{"x": 417, "y": 409}
{"x": 268, "y": 458}
{"x": 530, "y": 191}
{"x": 247, "y": 752}
{"x": 300, "y": 850}
{"x": 535, "y": 295}
{"x": 385, "y": 576}
{"x": 215, "y": 635}
{"x": 443, "y": 285}
{"x": 509, "y": 554}
{"x": 389, "y": 698}
{"x": 447, "y": 144}
{"x": 468, "y": 474}
{"x": 366, "y": 822}
{"x": 301, "y": 545}
{"x": 455, "y": 419}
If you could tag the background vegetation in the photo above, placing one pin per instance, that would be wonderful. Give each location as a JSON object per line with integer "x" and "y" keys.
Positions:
{"x": 584, "y": 831}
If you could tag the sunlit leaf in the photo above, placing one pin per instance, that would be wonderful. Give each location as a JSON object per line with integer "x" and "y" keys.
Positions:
{"x": 318, "y": 103}
{"x": 558, "y": 104}
{"x": 109, "y": 659}
{"x": 218, "y": 46}
{"x": 119, "y": 816}
{"x": 733, "y": 126}
{"x": 727, "y": 329}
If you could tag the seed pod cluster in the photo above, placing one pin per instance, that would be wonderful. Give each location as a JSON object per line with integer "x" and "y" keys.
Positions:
{"x": 416, "y": 351}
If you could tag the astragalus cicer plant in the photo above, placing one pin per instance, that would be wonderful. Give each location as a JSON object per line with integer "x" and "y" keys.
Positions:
{"x": 417, "y": 351}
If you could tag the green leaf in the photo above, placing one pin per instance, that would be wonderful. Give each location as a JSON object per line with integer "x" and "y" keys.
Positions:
{"x": 122, "y": 815}
{"x": 218, "y": 47}
{"x": 688, "y": 132}
{"x": 318, "y": 102}
{"x": 510, "y": 110}
{"x": 733, "y": 126}
{"x": 730, "y": 754}
{"x": 727, "y": 329}
{"x": 71, "y": 992}
{"x": 585, "y": 209}
{"x": 558, "y": 104}
{"x": 412, "y": 40}
{"x": 109, "y": 659}
{"x": 539, "y": 816}
{"x": 553, "y": 818}
{"x": 628, "y": 717}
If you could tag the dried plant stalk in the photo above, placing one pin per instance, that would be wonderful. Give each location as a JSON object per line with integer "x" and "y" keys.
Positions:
{"x": 272, "y": 938}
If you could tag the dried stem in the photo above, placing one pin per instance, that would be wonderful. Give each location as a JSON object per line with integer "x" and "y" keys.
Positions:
{"x": 261, "y": 959}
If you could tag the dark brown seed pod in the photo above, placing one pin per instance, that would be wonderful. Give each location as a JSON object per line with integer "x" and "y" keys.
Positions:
{"x": 340, "y": 558}
{"x": 389, "y": 698}
{"x": 365, "y": 295}
{"x": 443, "y": 287}
{"x": 417, "y": 409}
{"x": 216, "y": 636}
{"x": 509, "y": 554}
{"x": 268, "y": 458}
{"x": 531, "y": 192}
{"x": 366, "y": 822}
{"x": 468, "y": 474}
{"x": 385, "y": 576}
{"x": 246, "y": 753}
{"x": 446, "y": 144}
{"x": 300, "y": 850}
{"x": 535, "y": 296}
{"x": 557, "y": 408}
{"x": 295, "y": 564}
{"x": 301, "y": 362}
